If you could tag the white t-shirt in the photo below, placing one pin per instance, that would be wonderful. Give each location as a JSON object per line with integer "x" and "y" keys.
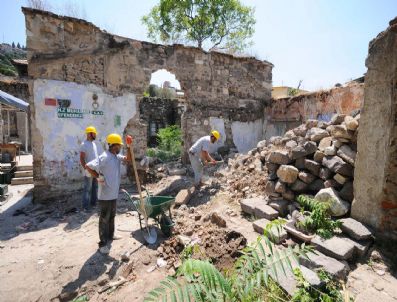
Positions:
{"x": 202, "y": 144}
{"x": 91, "y": 150}
{"x": 108, "y": 165}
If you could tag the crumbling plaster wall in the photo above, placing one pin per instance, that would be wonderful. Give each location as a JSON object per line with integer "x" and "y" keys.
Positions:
{"x": 375, "y": 185}
{"x": 216, "y": 85}
{"x": 287, "y": 113}
{"x": 57, "y": 139}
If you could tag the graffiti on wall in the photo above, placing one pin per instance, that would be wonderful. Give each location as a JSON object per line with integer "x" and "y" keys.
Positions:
{"x": 61, "y": 141}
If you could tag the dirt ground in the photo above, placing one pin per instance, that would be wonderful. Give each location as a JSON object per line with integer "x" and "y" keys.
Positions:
{"x": 49, "y": 252}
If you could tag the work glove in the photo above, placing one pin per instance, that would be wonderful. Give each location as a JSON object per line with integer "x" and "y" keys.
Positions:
{"x": 128, "y": 140}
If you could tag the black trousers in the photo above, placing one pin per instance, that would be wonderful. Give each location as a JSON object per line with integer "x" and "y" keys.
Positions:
{"x": 106, "y": 221}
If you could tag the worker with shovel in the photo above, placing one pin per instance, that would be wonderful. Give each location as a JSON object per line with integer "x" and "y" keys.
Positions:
{"x": 89, "y": 151}
{"x": 199, "y": 155}
{"x": 106, "y": 169}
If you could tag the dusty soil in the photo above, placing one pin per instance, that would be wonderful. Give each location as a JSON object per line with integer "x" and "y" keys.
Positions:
{"x": 49, "y": 252}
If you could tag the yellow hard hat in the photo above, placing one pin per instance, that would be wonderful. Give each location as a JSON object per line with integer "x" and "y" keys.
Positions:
{"x": 114, "y": 138}
{"x": 90, "y": 129}
{"x": 215, "y": 134}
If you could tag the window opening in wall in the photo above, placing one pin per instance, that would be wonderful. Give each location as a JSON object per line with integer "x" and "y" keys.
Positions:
{"x": 161, "y": 104}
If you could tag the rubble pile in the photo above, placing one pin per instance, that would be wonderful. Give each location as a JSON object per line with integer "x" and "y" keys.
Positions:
{"x": 315, "y": 158}
{"x": 208, "y": 237}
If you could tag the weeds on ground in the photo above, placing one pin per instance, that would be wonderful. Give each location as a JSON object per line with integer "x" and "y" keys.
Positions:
{"x": 319, "y": 220}
{"x": 330, "y": 291}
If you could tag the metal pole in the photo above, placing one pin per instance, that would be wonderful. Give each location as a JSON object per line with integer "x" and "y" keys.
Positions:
{"x": 26, "y": 132}
{"x": 8, "y": 126}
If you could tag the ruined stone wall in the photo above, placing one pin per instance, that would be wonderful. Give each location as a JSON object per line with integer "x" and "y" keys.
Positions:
{"x": 375, "y": 186}
{"x": 18, "y": 88}
{"x": 161, "y": 112}
{"x": 218, "y": 88}
{"x": 287, "y": 113}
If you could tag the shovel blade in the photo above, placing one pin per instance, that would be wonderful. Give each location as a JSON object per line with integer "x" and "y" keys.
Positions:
{"x": 150, "y": 235}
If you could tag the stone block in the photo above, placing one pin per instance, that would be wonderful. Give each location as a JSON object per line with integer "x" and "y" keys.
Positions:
{"x": 311, "y": 123}
{"x": 318, "y": 156}
{"x": 324, "y": 143}
{"x": 340, "y": 179}
{"x": 300, "y": 163}
{"x": 261, "y": 144}
{"x": 277, "y": 235}
{"x": 312, "y": 166}
{"x": 330, "y": 151}
{"x": 316, "y": 185}
{"x": 310, "y": 147}
{"x": 288, "y": 282}
{"x": 291, "y": 144}
{"x": 325, "y": 173}
{"x": 331, "y": 183}
{"x": 280, "y": 206}
{"x": 360, "y": 247}
{"x": 265, "y": 211}
{"x": 183, "y": 196}
{"x": 337, "y": 119}
{"x": 270, "y": 187}
{"x": 271, "y": 167}
{"x": 299, "y": 186}
{"x": 341, "y": 132}
{"x": 306, "y": 177}
{"x": 279, "y": 157}
{"x": 351, "y": 123}
{"x": 300, "y": 131}
{"x": 287, "y": 173}
{"x": 316, "y": 134}
{"x": 297, "y": 152}
{"x": 346, "y": 192}
{"x": 347, "y": 154}
{"x": 335, "y": 247}
{"x": 338, "y": 207}
{"x": 280, "y": 187}
{"x": 335, "y": 268}
{"x": 248, "y": 205}
{"x": 337, "y": 165}
{"x": 288, "y": 195}
{"x": 355, "y": 229}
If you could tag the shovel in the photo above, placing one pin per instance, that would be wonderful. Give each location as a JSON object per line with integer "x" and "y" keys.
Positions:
{"x": 149, "y": 233}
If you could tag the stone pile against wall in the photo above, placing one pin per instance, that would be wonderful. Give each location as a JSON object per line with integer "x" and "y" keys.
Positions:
{"x": 287, "y": 113}
{"x": 312, "y": 157}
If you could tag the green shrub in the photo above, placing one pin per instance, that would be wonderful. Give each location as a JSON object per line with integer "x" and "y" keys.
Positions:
{"x": 170, "y": 144}
{"x": 319, "y": 221}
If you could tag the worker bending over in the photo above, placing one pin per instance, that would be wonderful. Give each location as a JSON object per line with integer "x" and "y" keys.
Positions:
{"x": 199, "y": 155}
{"x": 106, "y": 169}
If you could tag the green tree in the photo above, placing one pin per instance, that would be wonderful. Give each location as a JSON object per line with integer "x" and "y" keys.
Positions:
{"x": 214, "y": 24}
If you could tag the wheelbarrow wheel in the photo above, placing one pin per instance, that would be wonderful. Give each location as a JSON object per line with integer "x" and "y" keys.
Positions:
{"x": 166, "y": 225}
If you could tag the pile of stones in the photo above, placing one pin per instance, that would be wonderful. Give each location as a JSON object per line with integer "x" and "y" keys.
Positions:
{"x": 315, "y": 158}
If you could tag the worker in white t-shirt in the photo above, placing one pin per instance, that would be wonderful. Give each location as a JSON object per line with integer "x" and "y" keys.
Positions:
{"x": 89, "y": 150}
{"x": 199, "y": 155}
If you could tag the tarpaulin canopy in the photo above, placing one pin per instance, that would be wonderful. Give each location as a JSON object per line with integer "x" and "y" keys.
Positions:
{"x": 8, "y": 99}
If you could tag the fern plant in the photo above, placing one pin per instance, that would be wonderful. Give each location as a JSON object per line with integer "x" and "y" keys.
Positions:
{"x": 319, "y": 221}
{"x": 200, "y": 280}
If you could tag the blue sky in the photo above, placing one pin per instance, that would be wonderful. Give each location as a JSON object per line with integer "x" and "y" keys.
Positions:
{"x": 321, "y": 42}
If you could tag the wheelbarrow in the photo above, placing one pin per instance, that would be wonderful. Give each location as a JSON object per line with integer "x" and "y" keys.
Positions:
{"x": 156, "y": 208}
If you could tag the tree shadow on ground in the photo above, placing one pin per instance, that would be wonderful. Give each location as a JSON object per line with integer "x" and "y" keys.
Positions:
{"x": 25, "y": 217}
{"x": 92, "y": 269}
